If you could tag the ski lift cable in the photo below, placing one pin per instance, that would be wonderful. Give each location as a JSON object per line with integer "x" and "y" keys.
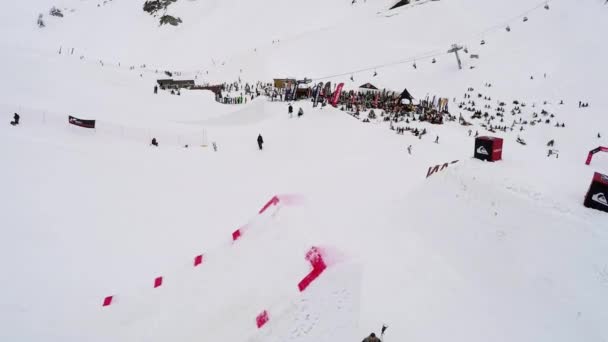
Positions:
{"x": 434, "y": 53}
{"x": 500, "y": 26}
{"x": 424, "y": 56}
{"x": 495, "y": 27}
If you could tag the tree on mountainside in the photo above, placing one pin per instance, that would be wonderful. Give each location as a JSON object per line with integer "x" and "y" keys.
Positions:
{"x": 168, "y": 19}
{"x": 56, "y": 12}
{"x": 153, "y": 6}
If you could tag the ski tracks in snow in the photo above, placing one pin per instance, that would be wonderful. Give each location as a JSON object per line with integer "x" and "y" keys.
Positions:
{"x": 326, "y": 311}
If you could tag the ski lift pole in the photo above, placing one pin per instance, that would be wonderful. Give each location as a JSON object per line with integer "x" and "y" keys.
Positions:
{"x": 454, "y": 49}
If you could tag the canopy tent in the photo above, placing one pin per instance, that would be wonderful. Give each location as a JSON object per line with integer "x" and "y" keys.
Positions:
{"x": 368, "y": 88}
{"x": 405, "y": 95}
{"x": 175, "y": 84}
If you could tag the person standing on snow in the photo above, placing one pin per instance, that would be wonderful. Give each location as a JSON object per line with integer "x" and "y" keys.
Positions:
{"x": 260, "y": 141}
{"x": 300, "y": 112}
{"x": 372, "y": 338}
{"x": 409, "y": 150}
{"x": 290, "y": 110}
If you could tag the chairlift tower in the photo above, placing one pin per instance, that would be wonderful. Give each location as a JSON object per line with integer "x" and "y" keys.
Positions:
{"x": 454, "y": 49}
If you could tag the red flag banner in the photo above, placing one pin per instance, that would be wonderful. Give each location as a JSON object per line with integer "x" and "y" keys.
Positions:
{"x": 336, "y": 95}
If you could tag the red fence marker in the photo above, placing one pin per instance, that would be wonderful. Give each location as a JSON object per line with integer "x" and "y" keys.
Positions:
{"x": 262, "y": 319}
{"x": 158, "y": 282}
{"x": 236, "y": 235}
{"x": 198, "y": 260}
{"x": 107, "y": 301}
{"x": 594, "y": 151}
{"x": 318, "y": 266}
{"x": 438, "y": 168}
{"x": 273, "y": 201}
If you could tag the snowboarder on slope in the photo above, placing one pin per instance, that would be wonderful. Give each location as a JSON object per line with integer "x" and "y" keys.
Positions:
{"x": 300, "y": 112}
{"x": 372, "y": 338}
{"x": 260, "y": 141}
{"x": 290, "y": 110}
{"x": 154, "y": 142}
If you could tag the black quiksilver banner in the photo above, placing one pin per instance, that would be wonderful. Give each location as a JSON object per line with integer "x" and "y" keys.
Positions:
{"x": 318, "y": 90}
{"x": 81, "y": 122}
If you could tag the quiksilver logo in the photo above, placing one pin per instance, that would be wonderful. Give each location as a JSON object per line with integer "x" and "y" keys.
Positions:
{"x": 482, "y": 150}
{"x": 600, "y": 198}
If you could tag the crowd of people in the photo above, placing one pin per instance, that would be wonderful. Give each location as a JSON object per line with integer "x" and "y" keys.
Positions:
{"x": 229, "y": 93}
{"x": 239, "y": 93}
{"x": 400, "y": 111}
{"x": 393, "y": 107}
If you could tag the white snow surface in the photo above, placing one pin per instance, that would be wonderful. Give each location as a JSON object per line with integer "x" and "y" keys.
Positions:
{"x": 478, "y": 252}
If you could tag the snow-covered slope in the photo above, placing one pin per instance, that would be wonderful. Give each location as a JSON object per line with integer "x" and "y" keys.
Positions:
{"x": 478, "y": 252}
